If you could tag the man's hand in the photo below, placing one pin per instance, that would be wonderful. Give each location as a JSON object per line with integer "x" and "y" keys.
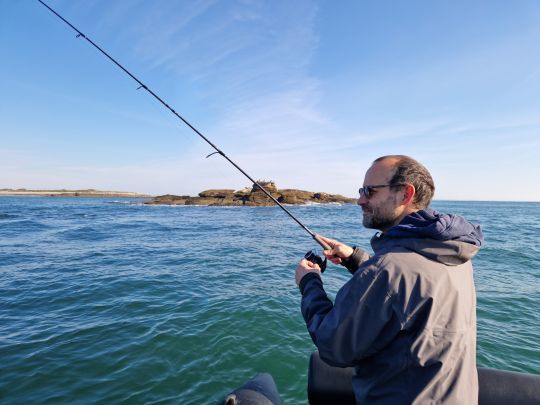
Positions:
{"x": 338, "y": 252}
{"x": 305, "y": 267}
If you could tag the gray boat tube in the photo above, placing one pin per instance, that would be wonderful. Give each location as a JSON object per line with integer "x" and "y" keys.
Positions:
{"x": 260, "y": 390}
{"x": 329, "y": 385}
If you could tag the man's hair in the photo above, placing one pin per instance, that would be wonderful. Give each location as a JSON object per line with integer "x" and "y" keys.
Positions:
{"x": 413, "y": 172}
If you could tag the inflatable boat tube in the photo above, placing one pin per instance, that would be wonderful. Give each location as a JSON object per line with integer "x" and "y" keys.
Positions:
{"x": 260, "y": 390}
{"x": 329, "y": 385}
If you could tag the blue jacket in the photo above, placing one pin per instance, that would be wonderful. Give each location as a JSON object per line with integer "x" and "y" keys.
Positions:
{"x": 406, "y": 320}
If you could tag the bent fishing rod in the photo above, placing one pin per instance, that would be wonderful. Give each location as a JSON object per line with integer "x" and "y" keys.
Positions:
{"x": 217, "y": 150}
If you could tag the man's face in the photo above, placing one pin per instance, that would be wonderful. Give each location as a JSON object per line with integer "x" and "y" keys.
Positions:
{"x": 380, "y": 210}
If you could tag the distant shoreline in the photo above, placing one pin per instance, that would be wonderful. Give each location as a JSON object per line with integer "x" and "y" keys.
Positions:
{"x": 22, "y": 192}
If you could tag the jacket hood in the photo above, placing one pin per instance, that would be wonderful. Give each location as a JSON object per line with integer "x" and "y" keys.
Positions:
{"x": 447, "y": 238}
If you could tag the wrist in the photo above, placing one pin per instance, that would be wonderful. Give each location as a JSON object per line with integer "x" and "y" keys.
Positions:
{"x": 307, "y": 277}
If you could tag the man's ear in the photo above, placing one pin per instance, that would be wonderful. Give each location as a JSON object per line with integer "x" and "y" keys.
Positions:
{"x": 408, "y": 194}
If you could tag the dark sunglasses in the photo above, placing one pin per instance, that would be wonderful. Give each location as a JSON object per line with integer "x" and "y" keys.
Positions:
{"x": 367, "y": 191}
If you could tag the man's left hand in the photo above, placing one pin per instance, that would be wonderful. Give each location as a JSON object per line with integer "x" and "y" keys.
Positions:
{"x": 305, "y": 267}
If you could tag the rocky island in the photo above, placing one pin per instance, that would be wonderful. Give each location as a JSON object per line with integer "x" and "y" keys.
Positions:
{"x": 251, "y": 196}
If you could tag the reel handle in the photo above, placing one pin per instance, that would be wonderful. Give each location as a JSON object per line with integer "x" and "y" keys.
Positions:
{"x": 314, "y": 257}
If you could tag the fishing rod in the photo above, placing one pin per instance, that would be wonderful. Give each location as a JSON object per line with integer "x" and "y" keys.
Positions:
{"x": 217, "y": 150}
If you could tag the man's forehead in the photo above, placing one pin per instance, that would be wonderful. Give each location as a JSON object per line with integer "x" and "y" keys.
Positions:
{"x": 380, "y": 172}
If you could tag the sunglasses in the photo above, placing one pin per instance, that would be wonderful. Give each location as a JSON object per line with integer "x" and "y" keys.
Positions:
{"x": 367, "y": 191}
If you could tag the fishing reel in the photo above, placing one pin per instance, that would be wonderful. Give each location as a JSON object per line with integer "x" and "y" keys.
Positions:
{"x": 314, "y": 257}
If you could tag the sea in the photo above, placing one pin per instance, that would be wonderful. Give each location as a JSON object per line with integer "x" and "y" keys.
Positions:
{"x": 112, "y": 301}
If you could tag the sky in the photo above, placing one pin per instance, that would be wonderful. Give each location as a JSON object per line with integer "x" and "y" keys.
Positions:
{"x": 304, "y": 93}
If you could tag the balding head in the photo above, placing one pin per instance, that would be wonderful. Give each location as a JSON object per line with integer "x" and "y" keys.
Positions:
{"x": 409, "y": 171}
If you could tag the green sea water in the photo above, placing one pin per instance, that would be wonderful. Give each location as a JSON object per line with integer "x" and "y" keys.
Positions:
{"x": 105, "y": 301}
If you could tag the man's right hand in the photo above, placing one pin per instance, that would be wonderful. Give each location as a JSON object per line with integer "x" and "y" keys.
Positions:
{"x": 338, "y": 250}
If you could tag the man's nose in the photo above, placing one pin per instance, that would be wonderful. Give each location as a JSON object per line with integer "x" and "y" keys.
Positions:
{"x": 362, "y": 200}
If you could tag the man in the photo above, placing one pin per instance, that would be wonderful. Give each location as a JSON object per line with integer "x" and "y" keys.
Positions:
{"x": 406, "y": 320}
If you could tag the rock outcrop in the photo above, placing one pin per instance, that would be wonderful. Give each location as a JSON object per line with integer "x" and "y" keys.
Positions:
{"x": 253, "y": 196}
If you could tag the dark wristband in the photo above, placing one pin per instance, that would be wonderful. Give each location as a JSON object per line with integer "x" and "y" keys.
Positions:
{"x": 353, "y": 261}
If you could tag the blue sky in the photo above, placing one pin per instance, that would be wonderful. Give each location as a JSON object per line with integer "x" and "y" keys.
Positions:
{"x": 306, "y": 93}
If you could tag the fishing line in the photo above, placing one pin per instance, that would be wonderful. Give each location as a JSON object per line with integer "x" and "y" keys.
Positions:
{"x": 217, "y": 150}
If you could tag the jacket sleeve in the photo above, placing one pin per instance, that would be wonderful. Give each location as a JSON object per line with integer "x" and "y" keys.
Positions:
{"x": 360, "y": 323}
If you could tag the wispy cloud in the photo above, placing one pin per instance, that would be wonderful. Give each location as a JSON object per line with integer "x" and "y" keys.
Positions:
{"x": 229, "y": 48}
{"x": 248, "y": 62}
{"x": 277, "y": 120}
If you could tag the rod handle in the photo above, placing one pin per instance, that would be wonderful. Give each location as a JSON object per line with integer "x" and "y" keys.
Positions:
{"x": 321, "y": 242}
{"x": 326, "y": 246}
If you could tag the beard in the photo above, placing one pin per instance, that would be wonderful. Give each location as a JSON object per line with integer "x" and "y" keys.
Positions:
{"x": 381, "y": 217}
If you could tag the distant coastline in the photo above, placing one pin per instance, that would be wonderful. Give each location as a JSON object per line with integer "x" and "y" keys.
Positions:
{"x": 23, "y": 192}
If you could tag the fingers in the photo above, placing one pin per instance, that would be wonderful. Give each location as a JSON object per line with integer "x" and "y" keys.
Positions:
{"x": 335, "y": 259}
{"x": 331, "y": 242}
{"x": 332, "y": 256}
{"x": 307, "y": 264}
{"x": 339, "y": 250}
{"x": 334, "y": 245}
{"x": 305, "y": 267}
